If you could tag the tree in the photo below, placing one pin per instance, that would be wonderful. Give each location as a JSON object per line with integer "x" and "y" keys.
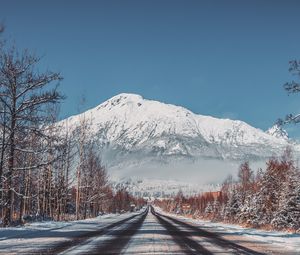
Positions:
{"x": 93, "y": 183}
{"x": 246, "y": 177}
{"x": 82, "y": 147}
{"x": 3, "y": 134}
{"x": 292, "y": 87}
{"x": 233, "y": 205}
{"x": 209, "y": 209}
{"x": 288, "y": 215}
{"x": 271, "y": 186}
{"x": 24, "y": 94}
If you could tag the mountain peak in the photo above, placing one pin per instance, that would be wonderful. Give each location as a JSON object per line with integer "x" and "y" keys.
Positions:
{"x": 278, "y": 132}
{"x": 128, "y": 127}
{"x": 147, "y": 139}
{"x": 125, "y": 97}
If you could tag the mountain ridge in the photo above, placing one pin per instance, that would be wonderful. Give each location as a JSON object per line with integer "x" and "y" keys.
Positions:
{"x": 164, "y": 144}
{"x": 130, "y": 123}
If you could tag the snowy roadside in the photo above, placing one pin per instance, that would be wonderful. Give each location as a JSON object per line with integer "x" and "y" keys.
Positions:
{"x": 287, "y": 243}
{"x": 38, "y": 235}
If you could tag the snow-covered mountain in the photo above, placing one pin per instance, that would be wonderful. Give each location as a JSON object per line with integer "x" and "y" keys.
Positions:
{"x": 128, "y": 125}
{"x": 278, "y": 132}
{"x": 149, "y": 188}
{"x": 136, "y": 136}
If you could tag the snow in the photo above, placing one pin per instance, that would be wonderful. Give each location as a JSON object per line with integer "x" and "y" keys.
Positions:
{"x": 278, "y": 132}
{"x": 146, "y": 138}
{"x": 150, "y": 188}
{"x": 151, "y": 238}
{"x": 282, "y": 239}
{"x": 134, "y": 123}
{"x": 289, "y": 241}
{"x": 38, "y": 235}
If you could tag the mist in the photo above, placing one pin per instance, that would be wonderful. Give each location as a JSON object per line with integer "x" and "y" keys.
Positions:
{"x": 199, "y": 172}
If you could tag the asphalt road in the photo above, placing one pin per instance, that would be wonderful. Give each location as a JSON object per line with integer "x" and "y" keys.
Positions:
{"x": 152, "y": 233}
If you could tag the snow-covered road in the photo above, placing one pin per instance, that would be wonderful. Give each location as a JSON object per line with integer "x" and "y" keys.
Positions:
{"x": 55, "y": 237}
{"x": 147, "y": 232}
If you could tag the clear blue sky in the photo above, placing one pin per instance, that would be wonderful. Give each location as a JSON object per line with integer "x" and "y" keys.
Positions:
{"x": 221, "y": 58}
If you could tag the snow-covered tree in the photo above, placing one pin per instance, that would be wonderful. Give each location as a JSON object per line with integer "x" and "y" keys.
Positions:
{"x": 288, "y": 215}
{"x": 232, "y": 208}
{"x": 270, "y": 187}
{"x": 248, "y": 211}
{"x": 209, "y": 209}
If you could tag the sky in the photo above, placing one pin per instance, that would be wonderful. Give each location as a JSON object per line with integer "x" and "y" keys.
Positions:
{"x": 228, "y": 59}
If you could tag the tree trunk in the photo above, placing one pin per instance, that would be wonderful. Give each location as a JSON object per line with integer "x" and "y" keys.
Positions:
{"x": 9, "y": 176}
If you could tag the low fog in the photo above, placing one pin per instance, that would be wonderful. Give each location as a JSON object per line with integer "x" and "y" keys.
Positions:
{"x": 200, "y": 172}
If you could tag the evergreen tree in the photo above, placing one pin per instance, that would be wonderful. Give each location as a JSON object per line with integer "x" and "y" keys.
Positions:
{"x": 208, "y": 209}
{"x": 270, "y": 188}
{"x": 288, "y": 215}
{"x": 233, "y": 206}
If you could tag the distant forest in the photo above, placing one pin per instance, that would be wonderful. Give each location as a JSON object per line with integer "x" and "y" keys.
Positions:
{"x": 269, "y": 199}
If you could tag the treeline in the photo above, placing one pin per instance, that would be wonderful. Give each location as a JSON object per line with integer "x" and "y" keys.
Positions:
{"x": 267, "y": 199}
{"x": 47, "y": 171}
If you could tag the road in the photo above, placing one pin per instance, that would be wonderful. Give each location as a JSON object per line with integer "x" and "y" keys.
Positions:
{"x": 150, "y": 232}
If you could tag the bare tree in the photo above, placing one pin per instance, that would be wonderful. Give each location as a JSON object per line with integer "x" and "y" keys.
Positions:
{"x": 24, "y": 93}
{"x": 292, "y": 87}
{"x": 94, "y": 183}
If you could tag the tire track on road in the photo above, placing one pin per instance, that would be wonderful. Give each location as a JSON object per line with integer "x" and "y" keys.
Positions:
{"x": 188, "y": 245}
{"x": 122, "y": 237}
{"x": 75, "y": 241}
{"x": 214, "y": 238}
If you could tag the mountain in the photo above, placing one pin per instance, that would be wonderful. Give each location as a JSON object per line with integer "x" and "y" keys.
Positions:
{"x": 127, "y": 124}
{"x": 160, "y": 188}
{"x": 278, "y": 132}
{"x": 142, "y": 137}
